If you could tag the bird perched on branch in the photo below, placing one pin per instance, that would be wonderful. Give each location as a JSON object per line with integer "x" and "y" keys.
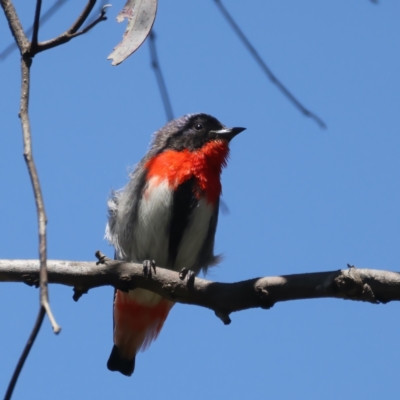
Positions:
{"x": 168, "y": 213}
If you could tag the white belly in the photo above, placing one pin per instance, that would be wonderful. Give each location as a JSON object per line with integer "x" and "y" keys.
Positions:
{"x": 151, "y": 230}
{"x": 151, "y": 238}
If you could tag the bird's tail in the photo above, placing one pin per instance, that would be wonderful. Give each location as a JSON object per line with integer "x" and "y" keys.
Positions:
{"x": 138, "y": 318}
{"x": 117, "y": 363}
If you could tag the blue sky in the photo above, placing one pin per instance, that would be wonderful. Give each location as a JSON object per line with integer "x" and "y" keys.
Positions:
{"x": 300, "y": 199}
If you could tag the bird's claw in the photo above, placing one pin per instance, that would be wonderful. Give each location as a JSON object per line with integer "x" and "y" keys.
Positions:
{"x": 190, "y": 276}
{"x": 149, "y": 266}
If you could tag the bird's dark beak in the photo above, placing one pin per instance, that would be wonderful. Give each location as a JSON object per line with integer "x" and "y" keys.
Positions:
{"x": 227, "y": 133}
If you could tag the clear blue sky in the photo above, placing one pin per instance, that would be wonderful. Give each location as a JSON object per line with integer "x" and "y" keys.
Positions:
{"x": 300, "y": 199}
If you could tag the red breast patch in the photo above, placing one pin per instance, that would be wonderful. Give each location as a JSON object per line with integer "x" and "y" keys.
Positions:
{"x": 204, "y": 164}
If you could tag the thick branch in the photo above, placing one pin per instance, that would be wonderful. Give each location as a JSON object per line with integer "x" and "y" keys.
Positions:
{"x": 374, "y": 286}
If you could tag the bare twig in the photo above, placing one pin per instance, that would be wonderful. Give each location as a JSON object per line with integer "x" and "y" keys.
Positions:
{"x": 71, "y": 33}
{"x": 374, "y": 286}
{"x": 44, "y": 299}
{"x": 42, "y": 220}
{"x": 25, "y": 353}
{"x": 26, "y": 62}
{"x": 265, "y": 68}
{"x": 43, "y": 19}
{"x": 28, "y": 50}
{"x": 159, "y": 76}
{"x": 98, "y": 11}
{"x": 82, "y": 18}
{"x": 36, "y": 21}
{"x": 65, "y": 37}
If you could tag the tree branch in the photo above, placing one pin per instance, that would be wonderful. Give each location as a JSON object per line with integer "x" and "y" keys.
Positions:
{"x": 73, "y": 31}
{"x": 82, "y": 18}
{"x": 28, "y": 51}
{"x": 36, "y": 22}
{"x": 374, "y": 286}
{"x": 25, "y": 353}
{"x": 41, "y": 214}
{"x": 265, "y": 67}
{"x": 15, "y": 25}
{"x": 159, "y": 76}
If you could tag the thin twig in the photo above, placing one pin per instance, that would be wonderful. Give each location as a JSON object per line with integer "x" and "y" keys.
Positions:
{"x": 26, "y": 62}
{"x": 42, "y": 219}
{"x": 70, "y": 34}
{"x": 98, "y": 11}
{"x": 25, "y": 353}
{"x": 159, "y": 76}
{"x": 82, "y": 18}
{"x": 43, "y": 19}
{"x": 28, "y": 50}
{"x": 265, "y": 68}
{"x": 75, "y": 26}
{"x": 36, "y": 22}
{"x": 101, "y": 17}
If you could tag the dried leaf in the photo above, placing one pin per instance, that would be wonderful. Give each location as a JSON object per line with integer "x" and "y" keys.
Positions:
{"x": 141, "y": 15}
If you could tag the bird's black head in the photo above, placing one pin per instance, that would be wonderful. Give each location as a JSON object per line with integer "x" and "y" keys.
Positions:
{"x": 191, "y": 132}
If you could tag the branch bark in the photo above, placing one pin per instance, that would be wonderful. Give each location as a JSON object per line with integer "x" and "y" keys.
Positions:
{"x": 373, "y": 286}
{"x": 15, "y": 25}
{"x": 41, "y": 213}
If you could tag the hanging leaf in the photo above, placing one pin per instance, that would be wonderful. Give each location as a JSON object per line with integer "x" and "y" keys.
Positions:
{"x": 141, "y": 15}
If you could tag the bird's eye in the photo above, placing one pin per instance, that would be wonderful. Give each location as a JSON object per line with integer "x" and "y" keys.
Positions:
{"x": 198, "y": 127}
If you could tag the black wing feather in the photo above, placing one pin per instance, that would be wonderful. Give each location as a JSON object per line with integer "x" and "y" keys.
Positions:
{"x": 184, "y": 202}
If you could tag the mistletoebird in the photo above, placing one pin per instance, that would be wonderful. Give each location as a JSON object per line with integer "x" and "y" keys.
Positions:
{"x": 168, "y": 212}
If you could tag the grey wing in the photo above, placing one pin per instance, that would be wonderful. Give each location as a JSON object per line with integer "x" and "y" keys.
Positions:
{"x": 122, "y": 213}
{"x": 207, "y": 257}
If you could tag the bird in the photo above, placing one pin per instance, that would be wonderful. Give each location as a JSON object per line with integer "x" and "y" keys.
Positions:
{"x": 167, "y": 216}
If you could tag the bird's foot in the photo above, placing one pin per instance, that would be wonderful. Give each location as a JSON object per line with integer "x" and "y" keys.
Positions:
{"x": 190, "y": 276}
{"x": 149, "y": 266}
